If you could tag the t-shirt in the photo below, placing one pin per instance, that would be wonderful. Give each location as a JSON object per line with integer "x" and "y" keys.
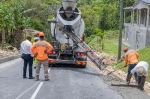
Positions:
{"x": 41, "y": 49}
{"x": 25, "y": 47}
{"x": 143, "y": 64}
{"x": 131, "y": 57}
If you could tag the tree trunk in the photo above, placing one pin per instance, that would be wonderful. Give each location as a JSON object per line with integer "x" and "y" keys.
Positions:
{"x": 3, "y": 38}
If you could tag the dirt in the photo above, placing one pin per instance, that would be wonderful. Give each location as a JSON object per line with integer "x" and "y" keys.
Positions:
{"x": 9, "y": 51}
{"x": 120, "y": 75}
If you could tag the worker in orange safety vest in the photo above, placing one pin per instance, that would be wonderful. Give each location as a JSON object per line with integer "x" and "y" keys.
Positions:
{"x": 41, "y": 49}
{"x": 35, "y": 61}
{"x": 131, "y": 60}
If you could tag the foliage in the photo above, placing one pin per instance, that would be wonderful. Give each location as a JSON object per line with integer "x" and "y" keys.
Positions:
{"x": 21, "y": 14}
{"x": 6, "y": 17}
{"x": 105, "y": 44}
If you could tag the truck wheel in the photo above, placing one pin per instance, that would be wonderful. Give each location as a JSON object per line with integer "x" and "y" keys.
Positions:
{"x": 80, "y": 66}
{"x": 51, "y": 65}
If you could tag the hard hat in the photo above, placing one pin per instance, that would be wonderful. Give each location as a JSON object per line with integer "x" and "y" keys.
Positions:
{"x": 41, "y": 34}
{"x": 140, "y": 71}
{"x": 36, "y": 38}
{"x": 125, "y": 49}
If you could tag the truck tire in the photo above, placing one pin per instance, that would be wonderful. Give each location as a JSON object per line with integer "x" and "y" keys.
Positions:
{"x": 51, "y": 65}
{"x": 80, "y": 66}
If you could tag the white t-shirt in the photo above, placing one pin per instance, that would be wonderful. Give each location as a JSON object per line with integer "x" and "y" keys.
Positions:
{"x": 26, "y": 47}
{"x": 143, "y": 64}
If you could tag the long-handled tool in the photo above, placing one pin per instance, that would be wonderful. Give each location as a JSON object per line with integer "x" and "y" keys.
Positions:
{"x": 115, "y": 70}
{"x": 124, "y": 85}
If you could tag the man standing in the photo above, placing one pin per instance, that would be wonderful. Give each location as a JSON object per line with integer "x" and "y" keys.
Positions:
{"x": 142, "y": 71}
{"x": 41, "y": 49}
{"x": 131, "y": 60}
{"x": 27, "y": 56}
{"x": 35, "y": 61}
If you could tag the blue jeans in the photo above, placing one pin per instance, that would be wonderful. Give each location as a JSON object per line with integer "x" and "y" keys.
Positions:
{"x": 139, "y": 81}
{"x": 27, "y": 60}
{"x": 130, "y": 67}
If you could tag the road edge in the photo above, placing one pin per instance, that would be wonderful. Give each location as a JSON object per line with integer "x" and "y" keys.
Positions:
{"x": 3, "y": 60}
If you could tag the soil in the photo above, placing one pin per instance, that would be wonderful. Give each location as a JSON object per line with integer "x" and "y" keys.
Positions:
{"x": 9, "y": 51}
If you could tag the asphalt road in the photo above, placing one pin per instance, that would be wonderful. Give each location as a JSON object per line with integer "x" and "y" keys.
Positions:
{"x": 65, "y": 83}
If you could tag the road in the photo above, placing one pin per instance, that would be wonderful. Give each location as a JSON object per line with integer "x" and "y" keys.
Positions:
{"x": 65, "y": 83}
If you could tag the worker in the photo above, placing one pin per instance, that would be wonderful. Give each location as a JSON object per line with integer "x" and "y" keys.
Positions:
{"x": 142, "y": 71}
{"x": 131, "y": 60}
{"x": 27, "y": 56}
{"x": 35, "y": 61}
{"x": 41, "y": 49}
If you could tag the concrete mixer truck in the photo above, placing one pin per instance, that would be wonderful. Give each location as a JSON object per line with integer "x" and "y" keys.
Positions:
{"x": 67, "y": 28}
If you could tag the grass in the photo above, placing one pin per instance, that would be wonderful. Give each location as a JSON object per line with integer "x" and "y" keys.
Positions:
{"x": 110, "y": 42}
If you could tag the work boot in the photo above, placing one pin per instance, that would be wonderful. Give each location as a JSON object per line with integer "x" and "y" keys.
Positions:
{"x": 37, "y": 77}
{"x": 46, "y": 78}
{"x": 34, "y": 67}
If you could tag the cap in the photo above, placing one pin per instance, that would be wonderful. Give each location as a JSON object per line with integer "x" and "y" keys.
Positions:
{"x": 41, "y": 34}
{"x": 125, "y": 49}
{"x": 36, "y": 38}
{"x": 140, "y": 71}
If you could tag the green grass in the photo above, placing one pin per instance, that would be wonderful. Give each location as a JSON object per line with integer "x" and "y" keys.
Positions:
{"x": 110, "y": 42}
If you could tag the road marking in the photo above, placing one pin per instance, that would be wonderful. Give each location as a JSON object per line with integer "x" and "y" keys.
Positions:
{"x": 38, "y": 88}
{"x": 26, "y": 91}
{"x": 48, "y": 70}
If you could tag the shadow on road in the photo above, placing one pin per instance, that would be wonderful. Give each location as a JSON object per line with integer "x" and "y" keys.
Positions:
{"x": 76, "y": 69}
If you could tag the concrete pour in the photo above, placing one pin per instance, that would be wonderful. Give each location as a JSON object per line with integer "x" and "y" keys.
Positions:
{"x": 125, "y": 92}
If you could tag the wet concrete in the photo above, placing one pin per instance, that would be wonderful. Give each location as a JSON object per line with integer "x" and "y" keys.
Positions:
{"x": 125, "y": 92}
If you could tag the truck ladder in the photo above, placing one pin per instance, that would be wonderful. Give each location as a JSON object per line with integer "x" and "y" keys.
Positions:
{"x": 89, "y": 52}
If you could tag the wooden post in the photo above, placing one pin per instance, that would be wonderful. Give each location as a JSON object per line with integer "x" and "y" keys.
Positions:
{"x": 133, "y": 17}
{"x": 147, "y": 24}
{"x": 120, "y": 29}
{"x": 139, "y": 17}
{"x": 125, "y": 16}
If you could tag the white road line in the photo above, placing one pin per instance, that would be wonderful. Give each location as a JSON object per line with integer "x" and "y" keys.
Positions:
{"x": 38, "y": 88}
{"x": 26, "y": 91}
{"x": 48, "y": 70}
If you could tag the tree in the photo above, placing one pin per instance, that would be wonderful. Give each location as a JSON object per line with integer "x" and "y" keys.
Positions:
{"x": 6, "y": 20}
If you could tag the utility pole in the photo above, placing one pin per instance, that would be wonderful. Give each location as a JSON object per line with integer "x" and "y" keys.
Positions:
{"x": 120, "y": 29}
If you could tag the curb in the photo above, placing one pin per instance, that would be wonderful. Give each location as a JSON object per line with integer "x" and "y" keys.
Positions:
{"x": 2, "y": 60}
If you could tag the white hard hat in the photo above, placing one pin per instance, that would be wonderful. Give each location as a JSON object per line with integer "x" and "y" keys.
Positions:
{"x": 140, "y": 71}
{"x": 36, "y": 38}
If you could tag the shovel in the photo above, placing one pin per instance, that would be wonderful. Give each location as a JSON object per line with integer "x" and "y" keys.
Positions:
{"x": 115, "y": 70}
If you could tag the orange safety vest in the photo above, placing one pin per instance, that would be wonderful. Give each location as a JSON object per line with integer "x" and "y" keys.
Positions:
{"x": 40, "y": 49}
{"x": 34, "y": 49}
{"x": 131, "y": 57}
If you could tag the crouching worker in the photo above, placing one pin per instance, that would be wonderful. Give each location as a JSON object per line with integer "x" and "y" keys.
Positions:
{"x": 142, "y": 71}
{"x": 41, "y": 49}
